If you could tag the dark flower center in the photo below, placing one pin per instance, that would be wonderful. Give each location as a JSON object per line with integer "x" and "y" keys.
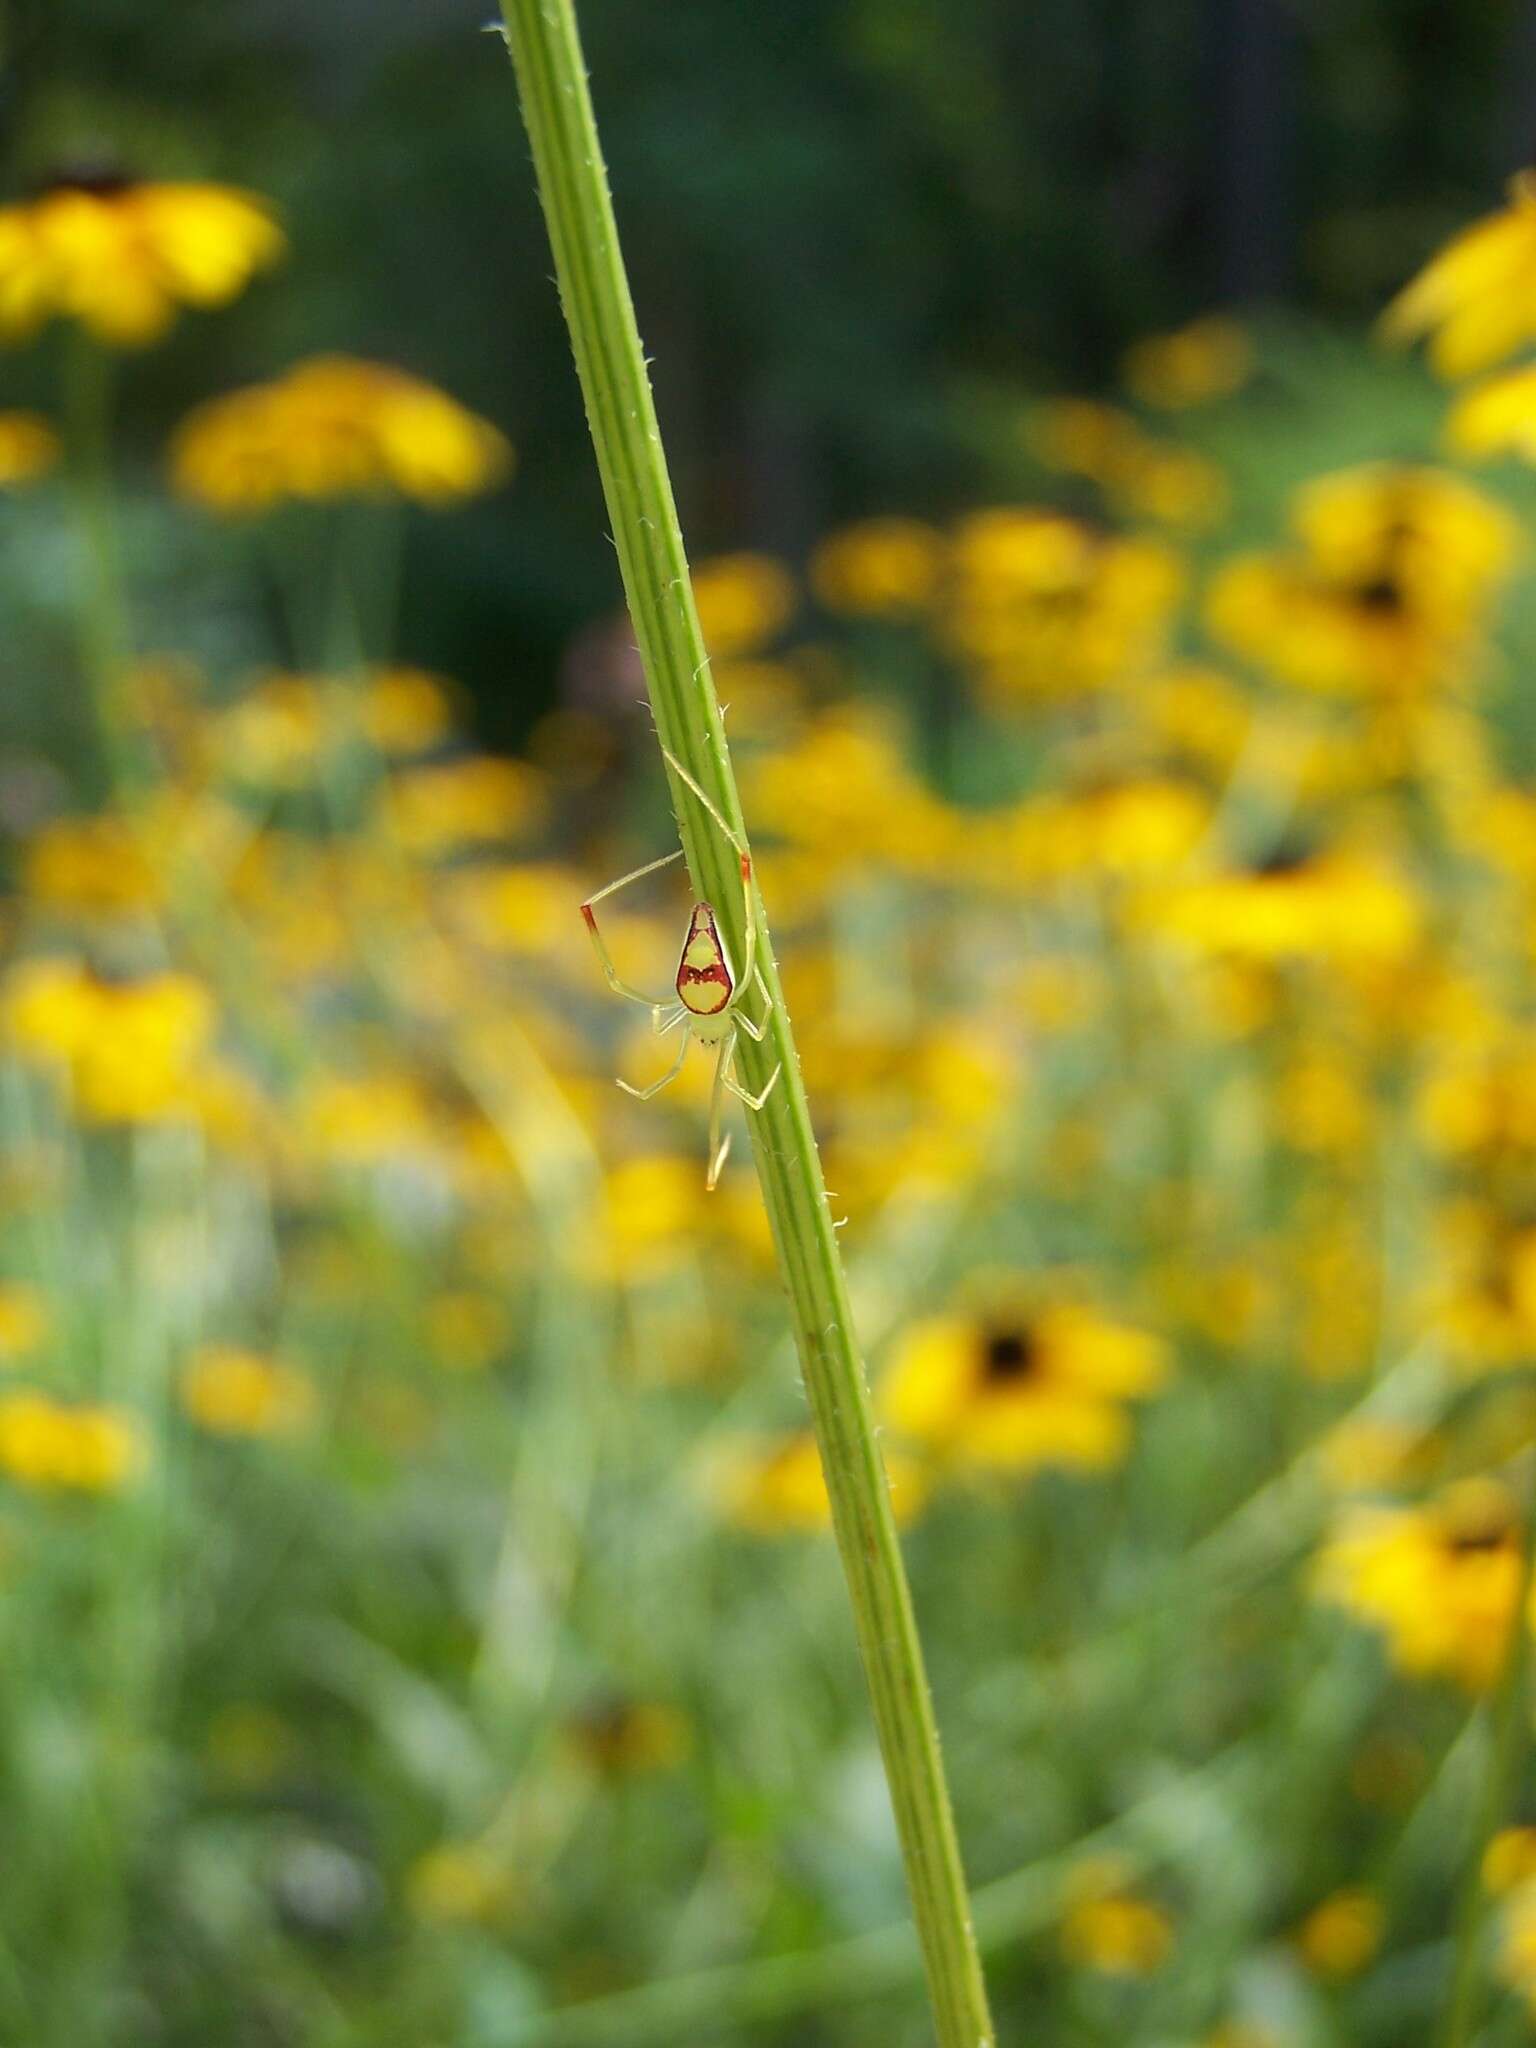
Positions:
{"x": 1009, "y": 1355}
{"x": 1382, "y": 595}
{"x": 100, "y": 177}
{"x": 1290, "y": 857}
{"x": 1477, "y": 1536}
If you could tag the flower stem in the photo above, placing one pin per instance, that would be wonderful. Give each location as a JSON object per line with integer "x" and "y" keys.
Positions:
{"x": 573, "y": 186}
{"x": 1505, "y": 1716}
{"x": 103, "y": 627}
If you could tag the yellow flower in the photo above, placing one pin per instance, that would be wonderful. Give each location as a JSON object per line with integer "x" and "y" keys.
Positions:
{"x": 365, "y": 1120}
{"x": 93, "y": 867}
{"x": 460, "y": 1883}
{"x": 1342, "y": 1934}
{"x": 743, "y": 601}
{"x": 624, "y": 1738}
{"x": 1083, "y": 437}
{"x": 1210, "y": 358}
{"x": 466, "y": 1331}
{"x": 1391, "y": 580}
{"x": 120, "y": 257}
{"x": 1109, "y": 1927}
{"x": 24, "y": 1320}
{"x": 774, "y": 1485}
{"x": 59, "y": 1447}
{"x": 475, "y": 800}
{"x": 1477, "y": 297}
{"x": 29, "y": 448}
{"x": 233, "y": 1392}
{"x": 1293, "y": 905}
{"x": 879, "y": 569}
{"x": 1021, "y": 1388}
{"x": 1046, "y": 608}
{"x": 335, "y": 427}
{"x": 1485, "y": 1305}
{"x": 1509, "y": 1860}
{"x": 407, "y": 711}
{"x": 1517, "y": 1945}
{"x": 1439, "y": 1581}
{"x": 131, "y": 1050}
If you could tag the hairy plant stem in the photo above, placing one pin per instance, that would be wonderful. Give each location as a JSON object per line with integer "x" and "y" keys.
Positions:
{"x": 573, "y": 186}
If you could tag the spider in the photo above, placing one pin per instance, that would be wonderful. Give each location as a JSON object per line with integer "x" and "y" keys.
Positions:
{"x": 709, "y": 995}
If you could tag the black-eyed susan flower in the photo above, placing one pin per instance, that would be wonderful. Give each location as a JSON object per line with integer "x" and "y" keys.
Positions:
{"x": 336, "y": 427}
{"x": 230, "y": 1390}
{"x": 1342, "y": 1933}
{"x": 130, "y": 1051}
{"x": 89, "y": 867}
{"x": 29, "y": 448}
{"x": 1496, "y": 417}
{"x": 1386, "y": 591}
{"x": 774, "y": 1486}
{"x": 1210, "y": 358}
{"x": 1111, "y": 1926}
{"x": 67, "y": 1447}
{"x": 619, "y": 1737}
{"x": 879, "y": 568}
{"x": 1438, "y": 1581}
{"x": 1292, "y": 903}
{"x": 24, "y": 1320}
{"x": 461, "y": 1884}
{"x": 743, "y": 601}
{"x": 1045, "y": 608}
{"x": 120, "y": 257}
{"x": 1021, "y": 1386}
{"x": 1476, "y": 299}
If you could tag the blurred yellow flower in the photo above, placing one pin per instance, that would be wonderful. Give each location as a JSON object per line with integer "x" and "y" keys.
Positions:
{"x": 92, "y": 867}
{"x": 120, "y": 257}
{"x": 29, "y": 448}
{"x": 67, "y": 1447}
{"x": 1046, "y": 608}
{"x": 1476, "y": 299}
{"x": 460, "y": 1883}
{"x": 335, "y": 427}
{"x": 230, "y": 1391}
{"x": 1439, "y": 1581}
{"x": 879, "y": 569}
{"x": 627, "y": 1738}
{"x": 1340, "y": 1936}
{"x": 24, "y": 1320}
{"x": 1386, "y": 592}
{"x": 406, "y": 710}
{"x": 363, "y": 1120}
{"x": 1021, "y": 1387}
{"x": 475, "y": 800}
{"x": 1497, "y": 417}
{"x": 1210, "y": 358}
{"x": 743, "y": 601}
{"x": 774, "y": 1485}
{"x": 131, "y": 1049}
{"x": 465, "y": 1331}
{"x": 1509, "y": 1860}
{"x": 1109, "y": 1927}
{"x": 1292, "y": 905}
{"x": 1516, "y": 1964}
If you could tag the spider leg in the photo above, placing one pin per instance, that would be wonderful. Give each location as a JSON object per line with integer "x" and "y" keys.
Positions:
{"x": 605, "y": 959}
{"x": 655, "y": 1087}
{"x": 719, "y": 1143}
{"x": 745, "y": 1094}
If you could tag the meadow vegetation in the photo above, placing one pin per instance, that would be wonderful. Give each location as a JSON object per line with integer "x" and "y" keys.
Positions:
{"x": 420, "y": 1622}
